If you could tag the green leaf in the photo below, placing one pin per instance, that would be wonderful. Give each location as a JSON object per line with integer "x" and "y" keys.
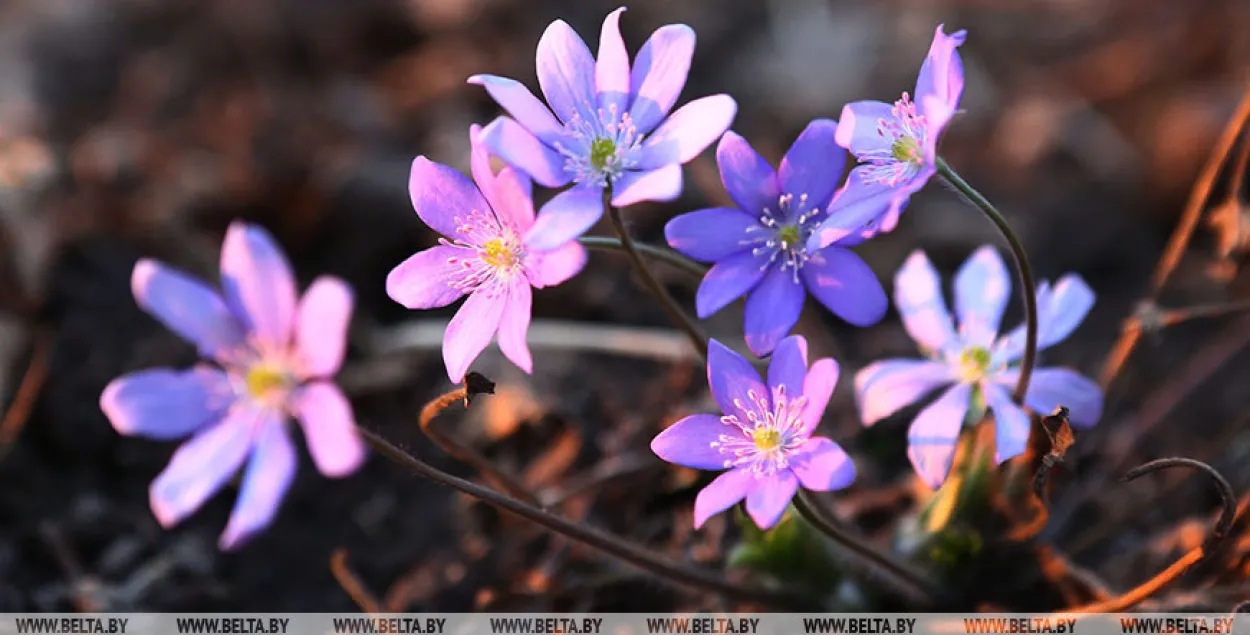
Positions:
{"x": 791, "y": 551}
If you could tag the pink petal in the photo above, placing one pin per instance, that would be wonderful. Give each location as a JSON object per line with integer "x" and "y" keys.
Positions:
{"x": 258, "y": 283}
{"x": 661, "y": 184}
{"x": 788, "y": 366}
{"x": 325, "y": 312}
{"x": 942, "y": 73}
{"x": 522, "y": 105}
{"x": 735, "y": 384}
{"x": 188, "y": 307}
{"x": 515, "y": 323}
{"x": 518, "y": 147}
{"x": 440, "y": 194}
{"x": 269, "y": 475}
{"x": 565, "y": 217}
{"x": 982, "y": 289}
{"x": 858, "y": 129}
{"x": 688, "y": 132}
{"x": 918, "y": 296}
{"x": 767, "y": 500}
{"x": 689, "y": 442}
{"x": 823, "y": 466}
{"x": 885, "y": 387}
{"x": 566, "y": 72}
{"x": 721, "y": 494}
{"x": 612, "y": 65}
{"x": 329, "y": 425}
{"x": 550, "y": 268}
{"x": 206, "y": 463}
{"x": 932, "y": 437}
{"x": 424, "y": 280}
{"x": 822, "y": 378}
{"x": 659, "y": 74}
{"x": 472, "y": 328}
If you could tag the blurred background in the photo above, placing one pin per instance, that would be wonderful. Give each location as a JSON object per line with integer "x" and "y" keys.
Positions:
{"x": 134, "y": 128}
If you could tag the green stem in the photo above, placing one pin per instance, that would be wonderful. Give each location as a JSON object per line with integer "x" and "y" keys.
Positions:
{"x": 608, "y": 243}
{"x": 679, "y": 317}
{"x": 1027, "y": 282}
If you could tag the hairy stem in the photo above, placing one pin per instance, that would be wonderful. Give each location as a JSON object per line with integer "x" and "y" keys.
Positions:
{"x": 608, "y": 243}
{"x": 1028, "y": 283}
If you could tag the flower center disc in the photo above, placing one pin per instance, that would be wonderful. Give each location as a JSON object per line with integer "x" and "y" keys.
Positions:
{"x": 766, "y": 438}
{"x": 973, "y": 362}
{"x": 262, "y": 381}
{"x": 602, "y": 149}
{"x": 789, "y": 235}
{"x": 907, "y": 149}
{"x": 496, "y": 253}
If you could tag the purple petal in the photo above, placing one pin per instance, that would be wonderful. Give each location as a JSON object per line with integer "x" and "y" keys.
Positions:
{"x": 1011, "y": 423}
{"x": 858, "y": 130}
{"x": 188, "y": 307}
{"x": 712, "y": 234}
{"x": 440, "y": 194}
{"x": 853, "y": 209}
{"x": 844, "y": 283}
{"x": 660, "y": 184}
{"x": 480, "y": 168}
{"x": 522, "y": 105}
{"x": 269, "y": 474}
{"x": 721, "y": 494}
{"x": 937, "y": 114}
{"x": 772, "y": 309}
{"x": 750, "y": 181}
{"x": 207, "y": 462}
{"x": 566, "y": 72}
{"x": 659, "y": 74}
{"x": 788, "y": 366}
{"x": 514, "y": 204}
{"x": 728, "y": 280}
{"x": 324, "y": 314}
{"x": 766, "y": 502}
{"x": 329, "y": 426}
{"x": 257, "y": 283}
{"x": 471, "y": 330}
{"x": 942, "y": 74}
{"x": 733, "y": 381}
{"x": 932, "y": 437}
{"x": 1050, "y": 388}
{"x": 519, "y": 148}
{"x": 818, "y": 387}
{"x": 164, "y": 404}
{"x": 823, "y": 466}
{"x": 424, "y": 280}
{"x": 612, "y": 66}
{"x": 885, "y": 387}
{"x": 514, "y": 325}
{"x": 565, "y": 217}
{"x": 918, "y": 296}
{"x": 550, "y": 268}
{"x": 813, "y": 165}
{"x": 688, "y": 132}
{"x": 1060, "y": 311}
{"x": 982, "y": 289}
{"x": 689, "y": 442}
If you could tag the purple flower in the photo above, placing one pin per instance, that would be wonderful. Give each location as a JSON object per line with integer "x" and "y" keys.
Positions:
{"x": 975, "y": 359}
{"x": 898, "y": 142}
{"x": 764, "y": 440}
{"x": 761, "y": 247}
{"x": 274, "y": 356}
{"x": 609, "y": 127}
{"x": 482, "y": 255}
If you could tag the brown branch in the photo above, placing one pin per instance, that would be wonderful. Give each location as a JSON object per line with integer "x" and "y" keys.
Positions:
{"x": 351, "y": 584}
{"x": 15, "y": 419}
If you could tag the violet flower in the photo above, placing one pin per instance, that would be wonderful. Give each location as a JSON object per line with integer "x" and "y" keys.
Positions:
{"x": 273, "y": 359}
{"x": 898, "y": 142}
{"x": 975, "y": 360}
{"x": 761, "y": 247}
{"x": 482, "y": 255}
{"x": 764, "y": 440}
{"x": 609, "y": 128}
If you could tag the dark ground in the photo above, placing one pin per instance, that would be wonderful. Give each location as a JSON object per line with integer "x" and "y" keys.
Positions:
{"x": 143, "y": 127}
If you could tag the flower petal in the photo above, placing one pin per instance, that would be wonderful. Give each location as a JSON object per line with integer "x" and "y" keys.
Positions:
{"x": 440, "y": 194}
{"x": 1050, "y": 388}
{"x": 721, "y": 494}
{"x": 853, "y": 211}
{"x": 550, "y": 268}
{"x": 522, "y": 105}
{"x": 772, "y": 310}
{"x": 257, "y": 283}
{"x": 519, "y": 148}
{"x": 470, "y": 330}
{"x": 767, "y": 501}
{"x": 885, "y": 387}
{"x": 823, "y": 466}
{"x": 324, "y": 314}
{"x": 514, "y": 204}
{"x": 566, "y": 72}
{"x": 612, "y": 66}
{"x": 932, "y": 437}
{"x": 711, "y": 234}
{"x": 942, "y": 74}
{"x": 1011, "y": 423}
{"x": 660, "y": 184}
{"x": 514, "y": 325}
{"x": 813, "y": 165}
{"x": 918, "y": 296}
{"x": 728, "y": 280}
{"x": 844, "y": 283}
{"x": 424, "y": 280}
{"x": 188, "y": 307}
{"x": 818, "y": 387}
{"x": 659, "y": 74}
{"x": 329, "y": 426}
{"x": 565, "y": 217}
{"x": 204, "y": 464}
{"x": 480, "y": 167}
{"x": 689, "y": 442}
{"x": 788, "y": 366}
{"x": 164, "y": 404}
{"x": 750, "y": 181}
{"x": 982, "y": 289}
{"x": 859, "y": 131}
{"x": 1060, "y": 310}
{"x": 268, "y": 476}
{"x": 690, "y": 130}
{"x": 734, "y": 383}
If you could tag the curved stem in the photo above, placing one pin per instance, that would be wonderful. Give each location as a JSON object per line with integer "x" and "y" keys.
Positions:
{"x": 662, "y": 566}
{"x": 679, "y": 317}
{"x": 608, "y": 243}
{"x": 1027, "y": 282}
{"x": 911, "y": 580}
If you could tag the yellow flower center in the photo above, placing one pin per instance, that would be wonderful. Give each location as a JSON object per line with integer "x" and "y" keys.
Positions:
{"x": 497, "y": 253}
{"x": 973, "y": 362}
{"x": 906, "y": 148}
{"x": 263, "y": 381}
{"x": 766, "y": 438}
{"x": 602, "y": 149}
{"x": 789, "y": 235}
